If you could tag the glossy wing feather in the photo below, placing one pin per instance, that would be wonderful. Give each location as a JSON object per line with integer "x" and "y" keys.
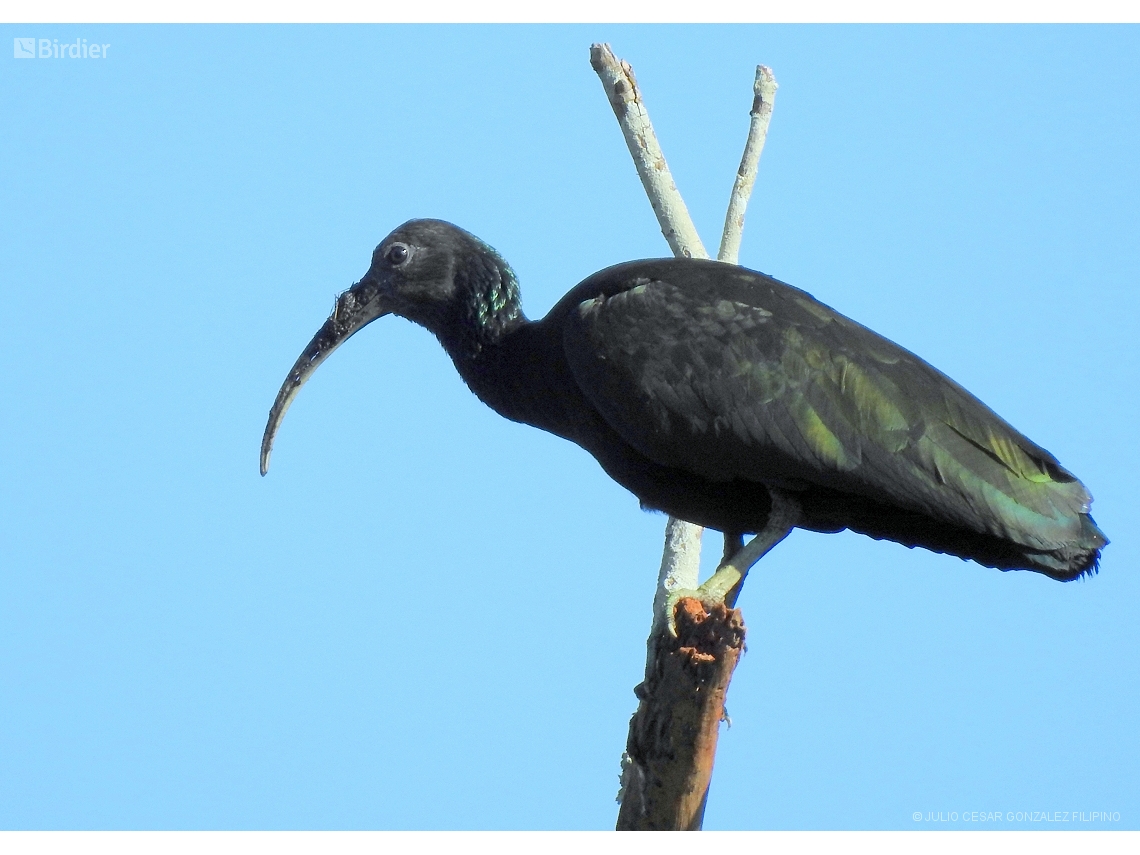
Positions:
{"x": 743, "y": 377}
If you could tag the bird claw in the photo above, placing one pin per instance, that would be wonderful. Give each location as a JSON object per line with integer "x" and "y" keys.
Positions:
{"x": 712, "y": 593}
{"x": 723, "y": 587}
{"x": 671, "y": 603}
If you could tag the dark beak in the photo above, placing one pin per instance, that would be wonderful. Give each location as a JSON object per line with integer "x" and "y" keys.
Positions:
{"x": 355, "y": 308}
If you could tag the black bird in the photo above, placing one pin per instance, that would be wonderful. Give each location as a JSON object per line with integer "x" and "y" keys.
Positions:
{"x": 707, "y": 389}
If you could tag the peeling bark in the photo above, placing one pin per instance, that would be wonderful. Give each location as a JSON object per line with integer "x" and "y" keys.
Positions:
{"x": 671, "y": 746}
{"x": 669, "y": 756}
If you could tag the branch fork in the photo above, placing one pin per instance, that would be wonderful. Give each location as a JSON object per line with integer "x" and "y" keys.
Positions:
{"x": 667, "y": 766}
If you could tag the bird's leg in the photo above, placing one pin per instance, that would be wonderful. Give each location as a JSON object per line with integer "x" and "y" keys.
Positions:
{"x": 724, "y": 585}
{"x": 733, "y": 543}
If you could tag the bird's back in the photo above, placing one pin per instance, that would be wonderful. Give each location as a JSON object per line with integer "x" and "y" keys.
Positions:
{"x": 736, "y": 377}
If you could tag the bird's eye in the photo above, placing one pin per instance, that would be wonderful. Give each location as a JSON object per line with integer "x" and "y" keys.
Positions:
{"x": 397, "y": 254}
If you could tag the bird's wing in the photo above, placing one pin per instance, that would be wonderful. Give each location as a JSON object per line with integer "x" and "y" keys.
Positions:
{"x": 733, "y": 375}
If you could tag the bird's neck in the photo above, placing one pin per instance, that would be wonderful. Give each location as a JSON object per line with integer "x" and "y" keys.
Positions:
{"x": 487, "y": 355}
{"x": 480, "y": 328}
{"x": 523, "y": 376}
{"x": 515, "y": 366}
{"x": 489, "y": 304}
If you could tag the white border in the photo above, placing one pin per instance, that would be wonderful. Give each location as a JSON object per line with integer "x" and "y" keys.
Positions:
{"x": 565, "y": 843}
{"x": 574, "y": 11}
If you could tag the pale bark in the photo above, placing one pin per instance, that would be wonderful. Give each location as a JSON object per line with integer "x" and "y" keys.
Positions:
{"x": 681, "y": 558}
{"x": 667, "y": 766}
{"x": 762, "y": 104}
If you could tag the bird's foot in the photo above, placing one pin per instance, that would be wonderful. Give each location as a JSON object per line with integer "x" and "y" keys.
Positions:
{"x": 717, "y": 590}
{"x": 723, "y": 587}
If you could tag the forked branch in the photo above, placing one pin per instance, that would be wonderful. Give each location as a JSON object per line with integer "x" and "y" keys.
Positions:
{"x": 667, "y": 766}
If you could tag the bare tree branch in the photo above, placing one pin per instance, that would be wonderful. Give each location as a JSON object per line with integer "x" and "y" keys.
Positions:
{"x": 762, "y": 104}
{"x": 625, "y": 98}
{"x": 681, "y": 557}
{"x": 667, "y": 766}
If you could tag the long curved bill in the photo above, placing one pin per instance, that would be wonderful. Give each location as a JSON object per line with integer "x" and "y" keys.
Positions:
{"x": 355, "y": 308}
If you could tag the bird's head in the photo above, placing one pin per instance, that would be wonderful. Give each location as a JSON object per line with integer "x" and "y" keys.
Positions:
{"x": 428, "y": 271}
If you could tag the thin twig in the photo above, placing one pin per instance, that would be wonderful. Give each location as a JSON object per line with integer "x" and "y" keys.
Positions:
{"x": 625, "y": 98}
{"x": 765, "y": 98}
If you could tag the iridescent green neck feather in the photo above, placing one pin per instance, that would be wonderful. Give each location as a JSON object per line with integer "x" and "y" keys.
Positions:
{"x": 490, "y": 304}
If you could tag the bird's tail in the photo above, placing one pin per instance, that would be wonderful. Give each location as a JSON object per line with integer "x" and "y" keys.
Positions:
{"x": 1079, "y": 558}
{"x": 1067, "y": 558}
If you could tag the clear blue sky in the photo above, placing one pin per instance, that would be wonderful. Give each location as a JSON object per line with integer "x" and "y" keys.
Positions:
{"x": 428, "y": 617}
